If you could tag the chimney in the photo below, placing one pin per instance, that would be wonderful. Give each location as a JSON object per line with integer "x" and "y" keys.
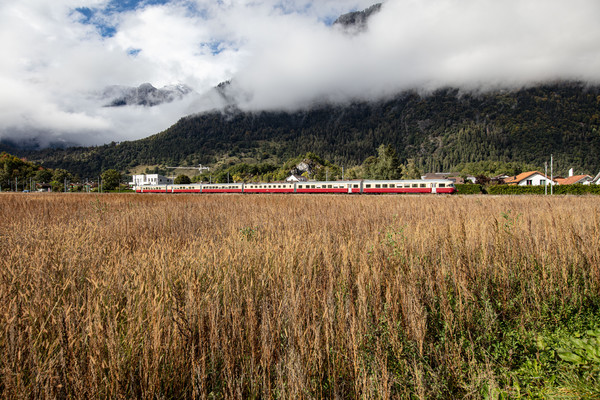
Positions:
{"x": 571, "y": 172}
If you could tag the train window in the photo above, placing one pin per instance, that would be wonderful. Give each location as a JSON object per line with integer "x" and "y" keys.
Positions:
{"x": 329, "y": 186}
{"x": 368, "y": 186}
{"x": 355, "y": 186}
{"x": 312, "y": 186}
{"x": 442, "y": 185}
{"x": 415, "y": 185}
{"x": 423, "y": 185}
{"x": 384, "y": 185}
{"x": 378, "y": 185}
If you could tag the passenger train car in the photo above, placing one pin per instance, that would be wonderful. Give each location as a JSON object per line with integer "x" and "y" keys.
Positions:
{"x": 352, "y": 187}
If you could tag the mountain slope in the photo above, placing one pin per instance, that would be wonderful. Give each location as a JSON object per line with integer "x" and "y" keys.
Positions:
{"x": 143, "y": 95}
{"x": 439, "y": 130}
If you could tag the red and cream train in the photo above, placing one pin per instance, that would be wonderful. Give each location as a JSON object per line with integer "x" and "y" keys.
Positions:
{"x": 351, "y": 187}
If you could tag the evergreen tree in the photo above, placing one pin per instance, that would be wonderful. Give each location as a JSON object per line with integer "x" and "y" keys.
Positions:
{"x": 388, "y": 165}
{"x": 410, "y": 170}
{"x": 182, "y": 179}
{"x": 111, "y": 178}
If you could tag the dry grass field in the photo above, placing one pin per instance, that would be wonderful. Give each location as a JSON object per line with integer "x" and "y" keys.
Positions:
{"x": 243, "y": 296}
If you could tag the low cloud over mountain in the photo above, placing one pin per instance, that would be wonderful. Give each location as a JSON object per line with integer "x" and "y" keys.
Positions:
{"x": 143, "y": 95}
{"x": 288, "y": 55}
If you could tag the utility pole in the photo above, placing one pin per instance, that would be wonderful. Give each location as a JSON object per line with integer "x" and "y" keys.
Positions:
{"x": 546, "y": 173}
{"x": 551, "y": 176}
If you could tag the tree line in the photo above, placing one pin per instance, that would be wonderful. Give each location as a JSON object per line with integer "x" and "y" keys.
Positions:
{"x": 439, "y": 131}
{"x": 17, "y": 174}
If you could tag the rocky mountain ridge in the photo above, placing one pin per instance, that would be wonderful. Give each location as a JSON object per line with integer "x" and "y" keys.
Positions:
{"x": 144, "y": 95}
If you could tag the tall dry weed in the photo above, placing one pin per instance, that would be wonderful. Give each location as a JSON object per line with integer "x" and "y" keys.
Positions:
{"x": 121, "y": 296}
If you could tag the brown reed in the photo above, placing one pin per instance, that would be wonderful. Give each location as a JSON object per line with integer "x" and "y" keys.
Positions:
{"x": 252, "y": 296}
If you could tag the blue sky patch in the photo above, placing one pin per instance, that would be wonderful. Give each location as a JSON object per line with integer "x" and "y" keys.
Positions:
{"x": 128, "y": 5}
{"x": 86, "y": 13}
{"x": 90, "y": 16}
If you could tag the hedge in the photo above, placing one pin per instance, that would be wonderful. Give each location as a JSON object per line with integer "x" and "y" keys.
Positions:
{"x": 468, "y": 189}
{"x": 560, "y": 189}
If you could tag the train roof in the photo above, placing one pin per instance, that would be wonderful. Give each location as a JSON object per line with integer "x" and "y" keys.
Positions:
{"x": 312, "y": 182}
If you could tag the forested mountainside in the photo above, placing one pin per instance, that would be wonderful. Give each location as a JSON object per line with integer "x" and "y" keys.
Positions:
{"x": 439, "y": 131}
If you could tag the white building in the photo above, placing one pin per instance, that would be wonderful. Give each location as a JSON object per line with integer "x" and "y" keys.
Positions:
{"x": 530, "y": 178}
{"x": 296, "y": 178}
{"x": 150, "y": 179}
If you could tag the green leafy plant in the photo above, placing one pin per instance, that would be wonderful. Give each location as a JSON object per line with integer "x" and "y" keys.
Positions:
{"x": 249, "y": 233}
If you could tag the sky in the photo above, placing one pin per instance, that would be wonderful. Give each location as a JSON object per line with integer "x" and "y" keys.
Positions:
{"x": 59, "y": 56}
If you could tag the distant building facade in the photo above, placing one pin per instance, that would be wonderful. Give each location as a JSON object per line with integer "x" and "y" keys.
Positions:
{"x": 150, "y": 179}
{"x": 530, "y": 178}
{"x": 575, "y": 179}
{"x": 296, "y": 178}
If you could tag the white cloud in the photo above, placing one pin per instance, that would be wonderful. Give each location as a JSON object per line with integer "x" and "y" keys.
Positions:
{"x": 281, "y": 54}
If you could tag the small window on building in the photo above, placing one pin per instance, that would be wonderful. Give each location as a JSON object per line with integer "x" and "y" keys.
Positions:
{"x": 529, "y": 182}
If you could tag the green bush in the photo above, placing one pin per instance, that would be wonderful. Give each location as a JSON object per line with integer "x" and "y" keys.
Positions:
{"x": 468, "y": 188}
{"x": 565, "y": 189}
{"x": 512, "y": 189}
{"x": 577, "y": 189}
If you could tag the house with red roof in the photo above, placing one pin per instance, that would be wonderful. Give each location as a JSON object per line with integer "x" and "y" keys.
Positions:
{"x": 575, "y": 179}
{"x": 529, "y": 178}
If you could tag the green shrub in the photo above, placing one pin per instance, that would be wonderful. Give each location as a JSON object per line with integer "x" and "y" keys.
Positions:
{"x": 468, "y": 188}
{"x": 565, "y": 189}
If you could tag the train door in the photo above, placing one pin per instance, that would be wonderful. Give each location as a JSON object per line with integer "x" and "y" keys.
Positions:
{"x": 433, "y": 187}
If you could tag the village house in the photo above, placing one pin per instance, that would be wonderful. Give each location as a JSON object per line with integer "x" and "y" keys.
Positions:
{"x": 150, "y": 179}
{"x": 575, "y": 179}
{"x": 529, "y": 178}
{"x": 296, "y": 178}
